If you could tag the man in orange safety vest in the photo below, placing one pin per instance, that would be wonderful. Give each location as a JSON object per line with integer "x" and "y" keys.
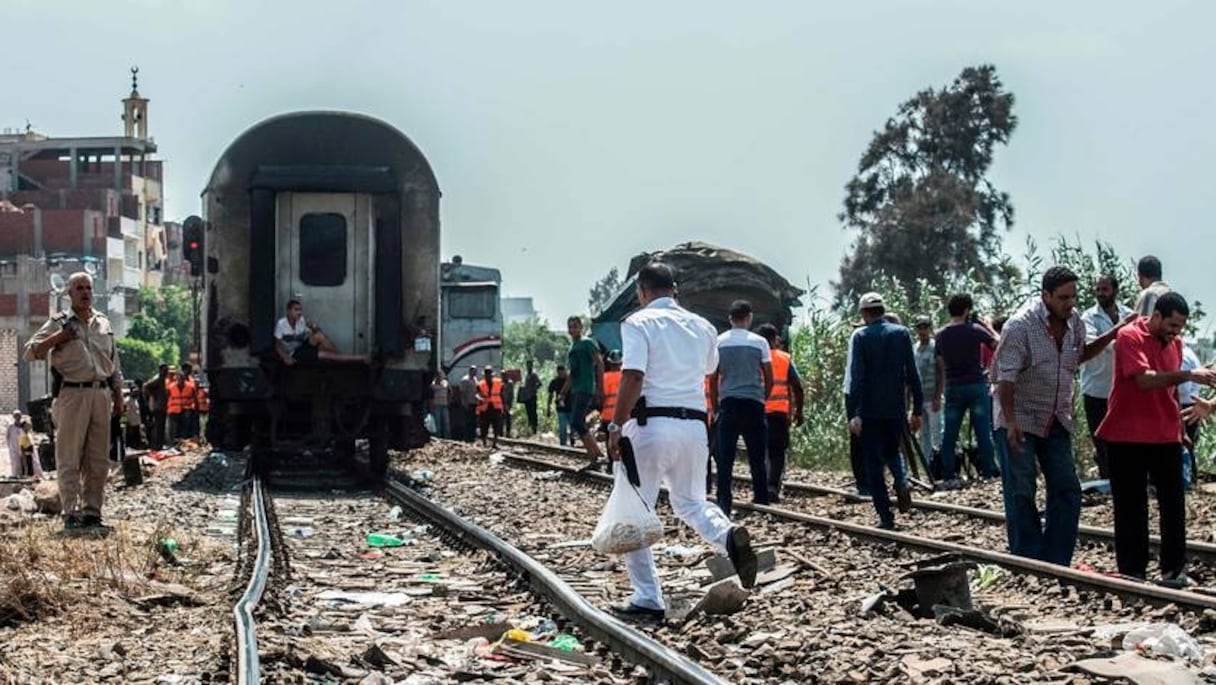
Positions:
{"x": 779, "y": 409}
{"x": 489, "y": 405}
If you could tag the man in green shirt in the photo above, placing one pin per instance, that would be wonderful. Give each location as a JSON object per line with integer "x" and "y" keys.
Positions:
{"x": 584, "y": 385}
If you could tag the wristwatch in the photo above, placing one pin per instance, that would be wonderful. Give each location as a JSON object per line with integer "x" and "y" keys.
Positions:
{"x": 613, "y": 428}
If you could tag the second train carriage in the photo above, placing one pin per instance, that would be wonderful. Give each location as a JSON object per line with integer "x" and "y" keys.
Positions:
{"x": 471, "y": 318}
{"x": 341, "y": 212}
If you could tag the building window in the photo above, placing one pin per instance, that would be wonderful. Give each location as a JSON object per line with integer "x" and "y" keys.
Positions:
{"x": 472, "y": 302}
{"x": 323, "y": 249}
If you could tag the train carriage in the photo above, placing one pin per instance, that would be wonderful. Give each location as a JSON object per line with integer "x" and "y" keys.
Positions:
{"x": 471, "y": 317}
{"x": 341, "y": 212}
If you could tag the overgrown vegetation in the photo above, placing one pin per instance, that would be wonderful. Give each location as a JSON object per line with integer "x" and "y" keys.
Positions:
{"x": 532, "y": 340}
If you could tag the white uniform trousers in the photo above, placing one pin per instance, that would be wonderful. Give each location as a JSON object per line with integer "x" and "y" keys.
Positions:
{"x": 671, "y": 453}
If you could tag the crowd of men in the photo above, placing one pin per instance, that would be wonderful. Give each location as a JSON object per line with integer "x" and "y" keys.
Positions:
{"x": 1015, "y": 378}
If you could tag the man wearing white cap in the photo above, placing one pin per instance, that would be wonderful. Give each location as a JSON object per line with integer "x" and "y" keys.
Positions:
{"x": 882, "y": 374}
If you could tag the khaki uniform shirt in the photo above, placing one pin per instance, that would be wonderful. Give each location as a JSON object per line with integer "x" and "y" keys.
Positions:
{"x": 92, "y": 356}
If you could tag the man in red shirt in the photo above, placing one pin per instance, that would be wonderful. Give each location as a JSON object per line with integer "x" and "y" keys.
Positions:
{"x": 1143, "y": 429}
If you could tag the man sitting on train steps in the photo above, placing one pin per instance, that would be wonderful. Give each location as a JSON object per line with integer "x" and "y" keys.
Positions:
{"x": 299, "y": 340}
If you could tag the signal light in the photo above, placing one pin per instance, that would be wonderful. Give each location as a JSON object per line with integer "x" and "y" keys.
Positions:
{"x": 192, "y": 244}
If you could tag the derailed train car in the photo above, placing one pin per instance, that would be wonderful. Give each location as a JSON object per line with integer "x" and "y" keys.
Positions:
{"x": 341, "y": 212}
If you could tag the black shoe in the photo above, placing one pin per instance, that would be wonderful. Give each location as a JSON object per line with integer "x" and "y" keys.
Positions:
{"x": 92, "y": 522}
{"x": 631, "y": 610}
{"x": 903, "y": 498}
{"x": 1176, "y": 581}
{"x": 742, "y": 556}
{"x": 71, "y": 523}
{"x": 888, "y": 525}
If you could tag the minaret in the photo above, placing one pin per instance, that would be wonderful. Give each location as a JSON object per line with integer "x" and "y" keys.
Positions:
{"x": 135, "y": 110}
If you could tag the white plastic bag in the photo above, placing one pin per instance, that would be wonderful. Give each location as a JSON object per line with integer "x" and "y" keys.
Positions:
{"x": 431, "y": 426}
{"x": 628, "y": 522}
{"x": 1165, "y": 639}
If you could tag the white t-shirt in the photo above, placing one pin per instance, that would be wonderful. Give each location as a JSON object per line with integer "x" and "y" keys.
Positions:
{"x": 292, "y": 337}
{"x": 674, "y": 348}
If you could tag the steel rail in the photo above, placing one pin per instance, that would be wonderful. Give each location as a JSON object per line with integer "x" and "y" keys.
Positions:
{"x": 248, "y": 666}
{"x": 1118, "y": 586}
{"x": 664, "y": 663}
{"x": 1205, "y": 551}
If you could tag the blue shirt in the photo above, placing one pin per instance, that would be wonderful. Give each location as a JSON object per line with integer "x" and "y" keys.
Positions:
{"x": 883, "y": 372}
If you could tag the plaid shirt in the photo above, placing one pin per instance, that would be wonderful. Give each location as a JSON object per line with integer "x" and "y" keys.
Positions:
{"x": 1041, "y": 373}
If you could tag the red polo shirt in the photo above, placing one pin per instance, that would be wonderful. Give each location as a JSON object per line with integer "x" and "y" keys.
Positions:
{"x": 1143, "y": 416}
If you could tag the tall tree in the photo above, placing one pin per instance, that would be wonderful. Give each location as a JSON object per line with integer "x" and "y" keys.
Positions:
{"x": 603, "y": 291}
{"x": 921, "y": 202}
{"x": 171, "y": 316}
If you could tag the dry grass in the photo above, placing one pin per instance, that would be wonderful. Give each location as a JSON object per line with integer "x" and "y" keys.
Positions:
{"x": 44, "y": 572}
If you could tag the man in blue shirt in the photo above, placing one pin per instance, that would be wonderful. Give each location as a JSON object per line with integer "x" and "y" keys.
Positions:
{"x": 883, "y": 372}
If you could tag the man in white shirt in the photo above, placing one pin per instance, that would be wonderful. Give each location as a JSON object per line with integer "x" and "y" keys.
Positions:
{"x": 667, "y": 354}
{"x": 13, "y": 438}
{"x": 298, "y": 340}
{"x": 1097, "y": 373}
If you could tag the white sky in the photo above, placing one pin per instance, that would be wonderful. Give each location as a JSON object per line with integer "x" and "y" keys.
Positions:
{"x": 568, "y": 136}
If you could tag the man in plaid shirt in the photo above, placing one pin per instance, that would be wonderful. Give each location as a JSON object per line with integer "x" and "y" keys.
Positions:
{"x": 1040, "y": 349}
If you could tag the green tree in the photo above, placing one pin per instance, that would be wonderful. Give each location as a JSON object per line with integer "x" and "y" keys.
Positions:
{"x": 604, "y": 290}
{"x": 531, "y": 339}
{"x": 166, "y": 315}
{"x": 921, "y": 202}
{"x": 140, "y": 358}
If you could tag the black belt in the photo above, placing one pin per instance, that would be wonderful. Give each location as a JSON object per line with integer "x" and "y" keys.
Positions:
{"x": 86, "y": 384}
{"x": 641, "y": 414}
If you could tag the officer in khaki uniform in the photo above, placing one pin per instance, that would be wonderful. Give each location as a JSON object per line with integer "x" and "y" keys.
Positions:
{"x": 81, "y": 347}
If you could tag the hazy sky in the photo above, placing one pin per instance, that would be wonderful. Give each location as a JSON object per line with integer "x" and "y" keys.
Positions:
{"x": 569, "y": 136}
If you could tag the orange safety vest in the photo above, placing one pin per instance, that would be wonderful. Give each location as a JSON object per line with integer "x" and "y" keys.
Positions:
{"x": 181, "y": 397}
{"x": 612, "y": 385}
{"x": 489, "y": 396}
{"x": 204, "y": 401}
{"x": 779, "y": 398}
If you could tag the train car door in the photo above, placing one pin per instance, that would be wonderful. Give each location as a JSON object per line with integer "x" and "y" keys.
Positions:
{"x": 325, "y": 241}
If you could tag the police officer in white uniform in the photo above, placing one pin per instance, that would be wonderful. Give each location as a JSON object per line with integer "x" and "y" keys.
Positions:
{"x": 668, "y": 352}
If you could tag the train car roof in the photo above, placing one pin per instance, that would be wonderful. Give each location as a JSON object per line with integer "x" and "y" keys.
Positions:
{"x": 468, "y": 274}
{"x": 346, "y": 143}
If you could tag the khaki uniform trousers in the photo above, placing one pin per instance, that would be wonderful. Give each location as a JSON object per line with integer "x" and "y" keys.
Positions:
{"x": 82, "y": 448}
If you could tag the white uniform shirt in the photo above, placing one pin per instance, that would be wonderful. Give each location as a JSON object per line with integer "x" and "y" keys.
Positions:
{"x": 674, "y": 348}
{"x": 291, "y": 337}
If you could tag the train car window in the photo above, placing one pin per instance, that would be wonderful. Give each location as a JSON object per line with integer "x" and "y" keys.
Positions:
{"x": 323, "y": 249}
{"x": 472, "y": 303}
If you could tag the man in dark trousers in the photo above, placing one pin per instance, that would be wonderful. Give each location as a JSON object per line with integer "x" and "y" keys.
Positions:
{"x": 883, "y": 374}
{"x": 784, "y": 404}
{"x": 529, "y": 393}
{"x": 157, "y": 392}
{"x": 738, "y": 390}
{"x": 1143, "y": 432}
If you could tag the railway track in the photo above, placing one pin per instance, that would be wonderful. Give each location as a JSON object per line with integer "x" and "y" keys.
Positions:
{"x": 1117, "y": 585}
{"x": 450, "y": 569}
{"x": 808, "y": 620}
{"x": 1201, "y": 551}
